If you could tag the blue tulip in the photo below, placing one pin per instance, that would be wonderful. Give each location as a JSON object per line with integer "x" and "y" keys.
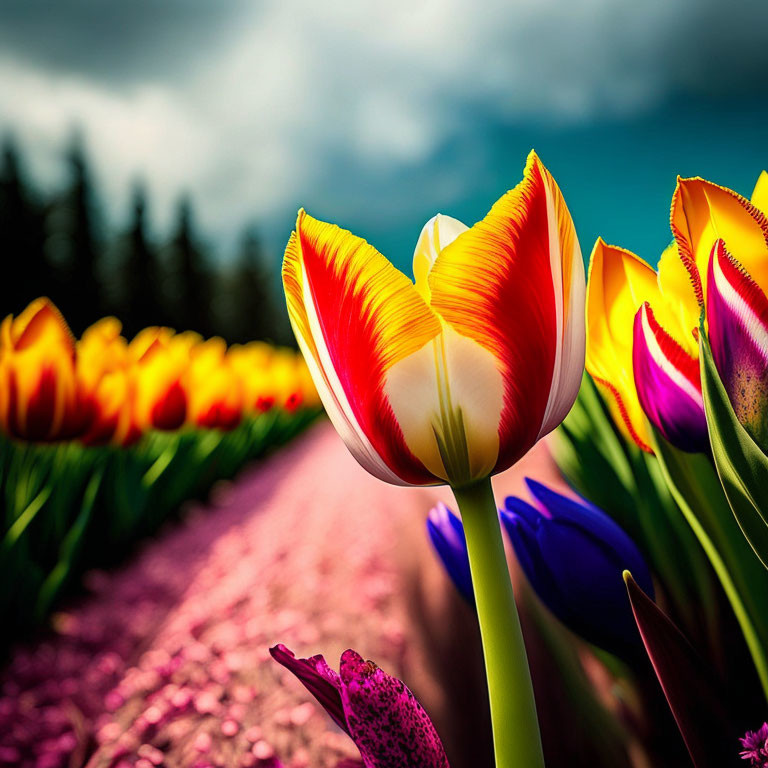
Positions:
{"x": 447, "y": 535}
{"x": 573, "y": 555}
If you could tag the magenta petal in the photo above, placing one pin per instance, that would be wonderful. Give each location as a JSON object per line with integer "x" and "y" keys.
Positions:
{"x": 388, "y": 725}
{"x": 668, "y": 384}
{"x": 318, "y": 678}
{"x": 737, "y": 315}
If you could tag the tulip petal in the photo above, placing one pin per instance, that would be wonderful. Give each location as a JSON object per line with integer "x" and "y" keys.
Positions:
{"x": 355, "y": 316}
{"x": 514, "y": 283}
{"x": 702, "y": 212}
{"x": 737, "y": 315}
{"x": 521, "y": 521}
{"x": 668, "y": 384}
{"x": 447, "y": 399}
{"x": 318, "y": 678}
{"x": 680, "y": 311}
{"x": 446, "y": 533}
{"x": 760, "y": 193}
{"x": 438, "y": 233}
{"x": 41, "y": 319}
{"x": 386, "y": 722}
{"x": 619, "y": 282}
{"x": 586, "y": 515}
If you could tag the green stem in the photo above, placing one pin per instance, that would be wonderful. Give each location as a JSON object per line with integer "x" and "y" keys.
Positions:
{"x": 516, "y": 738}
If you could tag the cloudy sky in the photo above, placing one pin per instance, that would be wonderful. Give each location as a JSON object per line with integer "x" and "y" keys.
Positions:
{"x": 378, "y": 114}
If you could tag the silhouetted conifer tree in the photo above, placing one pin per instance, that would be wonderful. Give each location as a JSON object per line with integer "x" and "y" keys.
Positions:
{"x": 141, "y": 280}
{"x": 22, "y": 238}
{"x": 74, "y": 245}
{"x": 192, "y": 282}
{"x": 248, "y": 296}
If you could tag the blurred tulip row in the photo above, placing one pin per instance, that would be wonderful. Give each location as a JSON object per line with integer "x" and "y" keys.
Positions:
{"x": 102, "y": 439}
{"x": 102, "y": 389}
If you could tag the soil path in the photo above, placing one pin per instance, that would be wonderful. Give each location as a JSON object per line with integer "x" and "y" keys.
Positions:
{"x": 165, "y": 661}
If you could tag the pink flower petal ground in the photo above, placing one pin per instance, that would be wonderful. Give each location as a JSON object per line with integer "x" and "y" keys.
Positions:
{"x": 166, "y": 661}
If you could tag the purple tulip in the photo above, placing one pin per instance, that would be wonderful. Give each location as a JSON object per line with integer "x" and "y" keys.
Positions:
{"x": 380, "y": 714}
{"x": 573, "y": 555}
{"x": 737, "y": 314}
{"x": 668, "y": 384}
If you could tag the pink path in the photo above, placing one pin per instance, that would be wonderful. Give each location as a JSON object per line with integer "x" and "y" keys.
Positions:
{"x": 165, "y": 661}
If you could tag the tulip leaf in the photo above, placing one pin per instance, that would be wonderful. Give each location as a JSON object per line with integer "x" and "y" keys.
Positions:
{"x": 741, "y": 465}
{"x": 695, "y": 701}
{"x": 699, "y": 495}
{"x": 69, "y": 550}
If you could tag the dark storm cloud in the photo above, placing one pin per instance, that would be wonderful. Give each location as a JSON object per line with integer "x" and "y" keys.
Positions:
{"x": 705, "y": 46}
{"x": 115, "y": 41}
{"x": 260, "y": 105}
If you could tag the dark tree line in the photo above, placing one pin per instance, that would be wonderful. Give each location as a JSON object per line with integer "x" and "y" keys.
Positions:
{"x": 56, "y": 245}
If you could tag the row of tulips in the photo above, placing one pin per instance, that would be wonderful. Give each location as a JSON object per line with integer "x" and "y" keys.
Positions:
{"x": 102, "y": 439}
{"x": 454, "y": 377}
{"x": 101, "y": 389}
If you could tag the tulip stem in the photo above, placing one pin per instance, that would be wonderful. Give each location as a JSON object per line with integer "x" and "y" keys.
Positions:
{"x": 516, "y": 738}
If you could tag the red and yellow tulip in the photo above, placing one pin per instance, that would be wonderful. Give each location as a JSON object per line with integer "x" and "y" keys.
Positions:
{"x": 41, "y": 398}
{"x": 454, "y": 377}
{"x": 160, "y": 367}
{"x": 642, "y": 326}
{"x": 215, "y": 391}
{"x": 104, "y": 372}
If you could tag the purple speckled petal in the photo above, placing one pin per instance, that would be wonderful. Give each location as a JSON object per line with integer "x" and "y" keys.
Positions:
{"x": 388, "y": 725}
{"x": 668, "y": 384}
{"x": 318, "y": 678}
{"x": 737, "y": 314}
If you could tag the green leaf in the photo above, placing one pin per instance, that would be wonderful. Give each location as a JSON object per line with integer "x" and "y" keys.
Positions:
{"x": 700, "y": 496}
{"x": 70, "y": 548}
{"x": 741, "y": 465}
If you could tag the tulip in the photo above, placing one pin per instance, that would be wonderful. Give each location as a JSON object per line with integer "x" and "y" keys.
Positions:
{"x": 42, "y": 399}
{"x": 668, "y": 383}
{"x": 456, "y": 377}
{"x": 453, "y": 378}
{"x": 286, "y": 382}
{"x": 215, "y": 391}
{"x": 641, "y": 345}
{"x": 160, "y": 368}
{"x": 446, "y": 533}
{"x": 103, "y": 370}
{"x": 379, "y": 713}
{"x": 737, "y": 316}
{"x": 574, "y": 555}
{"x": 648, "y": 366}
{"x": 703, "y": 213}
{"x": 251, "y": 364}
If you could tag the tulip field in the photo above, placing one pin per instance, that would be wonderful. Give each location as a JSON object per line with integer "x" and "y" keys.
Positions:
{"x": 103, "y": 440}
{"x": 532, "y": 531}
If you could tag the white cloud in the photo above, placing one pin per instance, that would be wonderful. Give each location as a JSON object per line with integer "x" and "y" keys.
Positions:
{"x": 300, "y": 86}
